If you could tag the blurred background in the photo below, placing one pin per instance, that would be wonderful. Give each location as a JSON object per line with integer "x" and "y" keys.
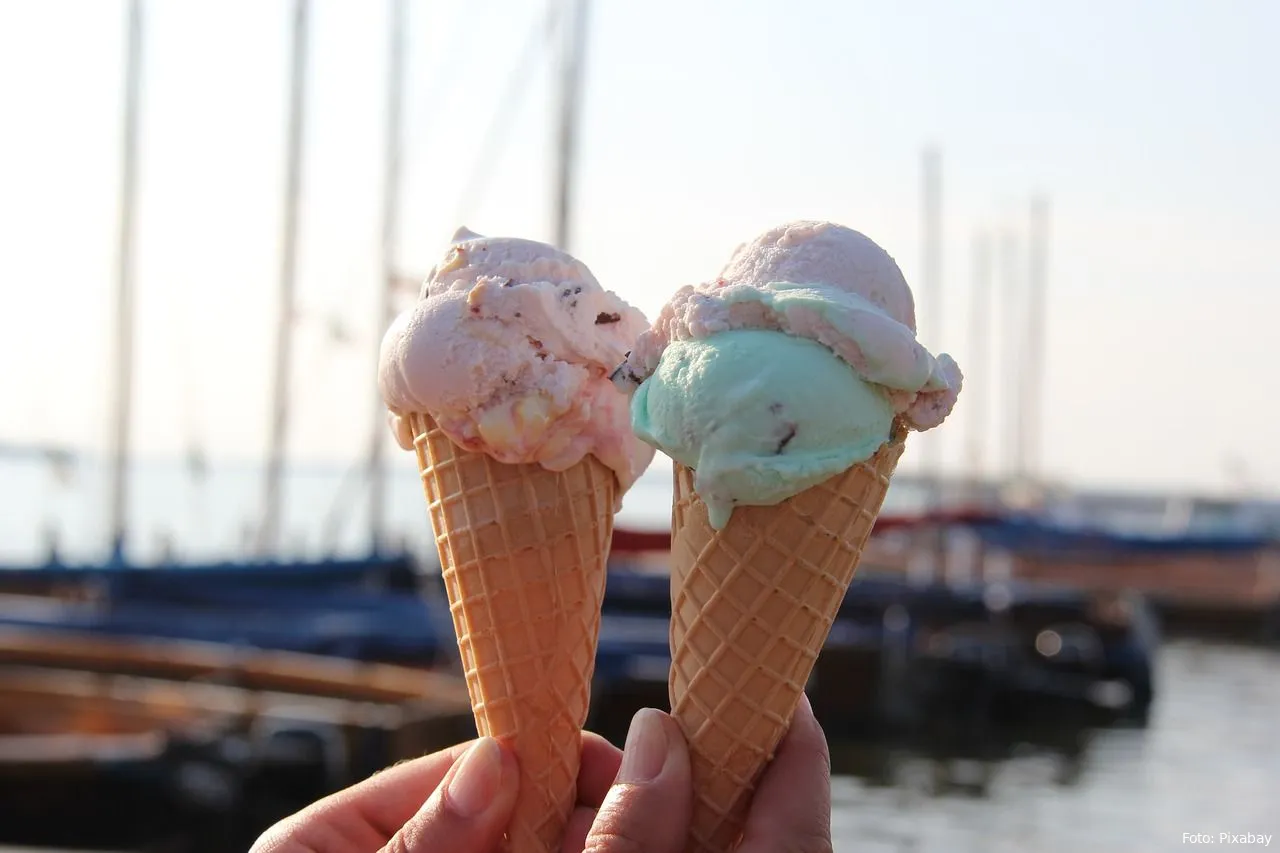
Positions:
{"x": 219, "y": 594}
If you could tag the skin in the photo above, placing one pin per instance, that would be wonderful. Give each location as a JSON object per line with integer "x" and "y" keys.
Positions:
{"x": 632, "y": 802}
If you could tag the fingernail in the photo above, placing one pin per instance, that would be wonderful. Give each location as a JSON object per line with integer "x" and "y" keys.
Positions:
{"x": 645, "y": 753}
{"x": 475, "y": 782}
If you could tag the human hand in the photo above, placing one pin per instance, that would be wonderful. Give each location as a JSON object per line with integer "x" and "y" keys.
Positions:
{"x": 648, "y": 808}
{"x": 460, "y": 799}
{"x": 457, "y": 800}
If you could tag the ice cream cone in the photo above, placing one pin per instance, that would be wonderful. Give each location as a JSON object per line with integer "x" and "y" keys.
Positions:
{"x": 752, "y": 605}
{"x": 523, "y": 553}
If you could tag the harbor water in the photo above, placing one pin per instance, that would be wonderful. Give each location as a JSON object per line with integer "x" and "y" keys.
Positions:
{"x": 195, "y": 510}
{"x": 1208, "y": 764}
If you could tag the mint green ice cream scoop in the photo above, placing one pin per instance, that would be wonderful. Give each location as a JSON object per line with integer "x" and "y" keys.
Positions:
{"x": 759, "y": 416}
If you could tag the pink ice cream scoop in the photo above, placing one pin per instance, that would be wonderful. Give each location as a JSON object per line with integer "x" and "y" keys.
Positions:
{"x": 508, "y": 348}
{"x": 820, "y": 281}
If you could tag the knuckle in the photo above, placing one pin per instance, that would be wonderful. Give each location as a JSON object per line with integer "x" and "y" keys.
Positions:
{"x": 824, "y": 757}
{"x": 816, "y": 752}
{"x": 397, "y": 844}
{"x": 427, "y": 830}
{"x": 276, "y": 840}
{"x": 612, "y": 842}
{"x": 297, "y": 834}
{"x": 815, "y": 742}
{"x": 818, "y": 842}
{"x": 619, "y": 826}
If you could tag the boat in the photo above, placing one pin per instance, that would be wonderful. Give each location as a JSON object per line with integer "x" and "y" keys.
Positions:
{"x": 351, "y": 609}
{"x": 904, "y": 654}
{"x": 130, "y": 743}
{"x": 1067, "y": 649}
{"x": 1198, "y": 581}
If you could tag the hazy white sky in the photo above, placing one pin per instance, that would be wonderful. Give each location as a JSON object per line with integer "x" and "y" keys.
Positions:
{"x": 1153, "y": 126}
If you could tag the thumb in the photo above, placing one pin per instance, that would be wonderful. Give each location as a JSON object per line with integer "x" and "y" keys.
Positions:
{"x": 647, "y": 809}
{"x": 469, "y": 810}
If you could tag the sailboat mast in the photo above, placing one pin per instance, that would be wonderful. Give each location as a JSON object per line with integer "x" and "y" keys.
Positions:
{"x": 118, "y": 494}
{"x": 1014, "y": 329}
{"x": 390, "y": 233}
{"x": 572, "y": 61}
{"x": 931, "y": 283}
{"x": 1033, "y": 374}
{"x": 269, "y": 533}
{"x": 980, "y": 335}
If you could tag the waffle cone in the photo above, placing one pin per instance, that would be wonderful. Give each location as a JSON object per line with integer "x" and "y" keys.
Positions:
{"x": 523, "y": 553}
{"x": 752, "y": 605}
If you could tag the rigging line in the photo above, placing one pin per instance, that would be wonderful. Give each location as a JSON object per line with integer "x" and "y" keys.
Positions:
{"x": 449, "y": 61}
{"x": 540, "y": 36}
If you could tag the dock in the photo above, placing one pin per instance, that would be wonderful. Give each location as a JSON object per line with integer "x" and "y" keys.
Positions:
{"x": 133, "y": 742}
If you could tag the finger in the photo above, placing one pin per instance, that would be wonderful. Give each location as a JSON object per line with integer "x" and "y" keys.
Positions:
{"x": 791, "y": 809}
{"x": 600, "y": 763}
{"x": 372, "y": 810}
{"x": 576, "y": 829}
{"x": 471, "y": 808}
{"x": 647, "y": 809}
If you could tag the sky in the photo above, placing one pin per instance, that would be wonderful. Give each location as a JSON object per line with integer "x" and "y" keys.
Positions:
{"x": 1151, "y": 127}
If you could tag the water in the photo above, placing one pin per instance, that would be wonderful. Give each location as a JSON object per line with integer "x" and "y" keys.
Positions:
{"x": 203, "y": 513}
{"x": 213, "y": 513}
{"x": 1208, "y": 763}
